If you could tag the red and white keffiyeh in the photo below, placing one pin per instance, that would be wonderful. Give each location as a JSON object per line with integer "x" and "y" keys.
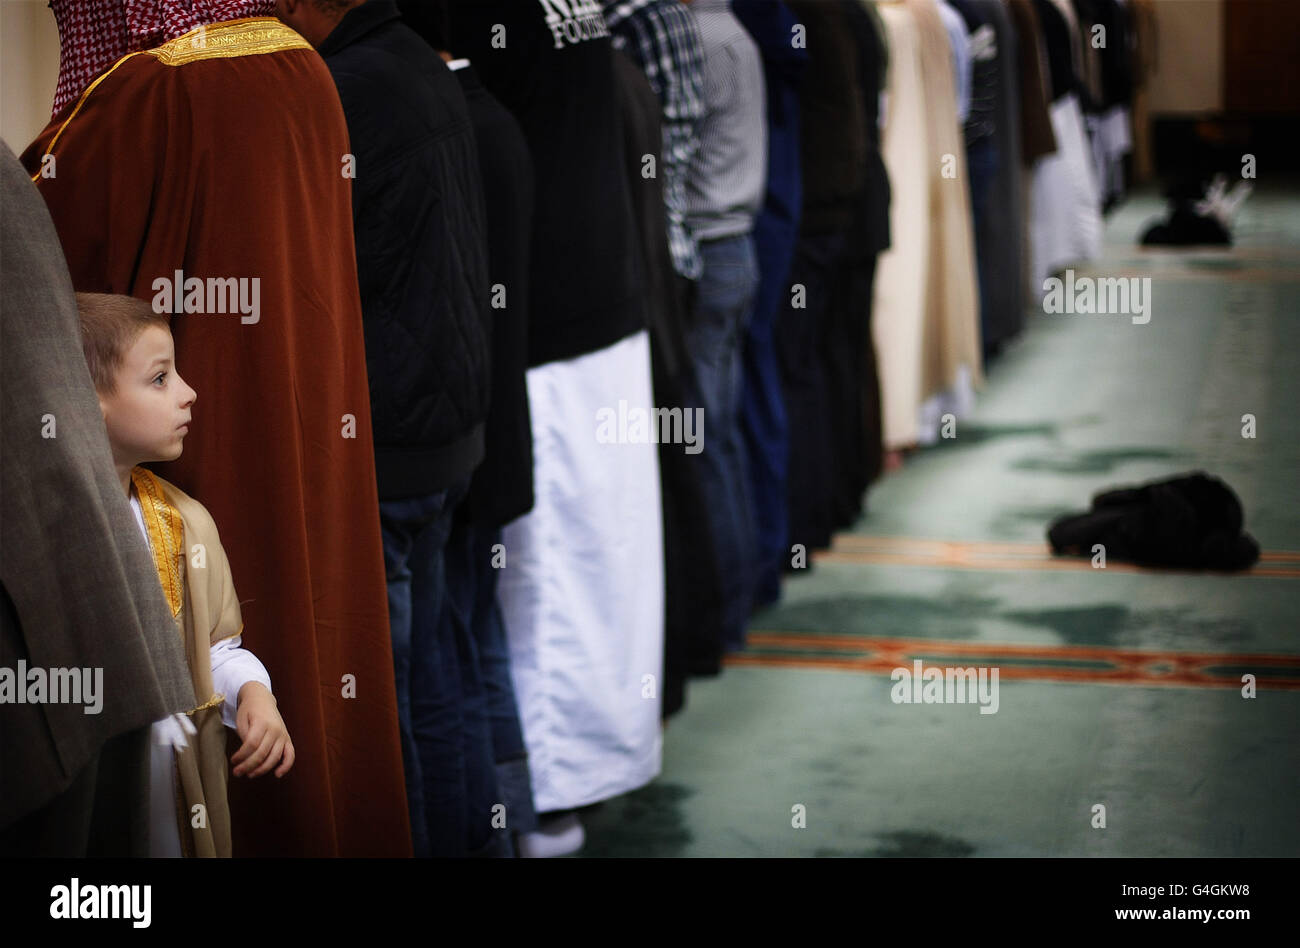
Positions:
{"x": 94, "y": 34}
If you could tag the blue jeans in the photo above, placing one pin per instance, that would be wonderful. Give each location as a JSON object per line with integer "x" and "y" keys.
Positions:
{"x": 493, "y": 739}
{"x": 427, "y": 668}
{"x": 724, "y": 303}
{"x": 763, "y": 417}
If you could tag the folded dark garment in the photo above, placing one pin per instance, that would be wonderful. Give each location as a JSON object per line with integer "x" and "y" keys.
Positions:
{"x": 1185, "y": 228}
{"x": 1192, "y": 521}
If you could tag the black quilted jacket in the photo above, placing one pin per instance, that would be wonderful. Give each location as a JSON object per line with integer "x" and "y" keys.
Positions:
{"x": 417, "y": 205}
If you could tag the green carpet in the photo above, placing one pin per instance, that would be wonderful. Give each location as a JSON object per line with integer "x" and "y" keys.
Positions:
{"x": 1077, "y": 404}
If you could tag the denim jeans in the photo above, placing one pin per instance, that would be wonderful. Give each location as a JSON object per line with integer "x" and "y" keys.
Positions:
{"x": 763, "y": 416}
{"x": 427, "y": 669}
{"x": 982, "y": 162}
{"x": 496, "y": 757}
{"x": 715, "y": 336}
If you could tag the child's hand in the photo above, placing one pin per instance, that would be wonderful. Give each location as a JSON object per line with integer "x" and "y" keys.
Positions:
{"x": 266, "y": 739}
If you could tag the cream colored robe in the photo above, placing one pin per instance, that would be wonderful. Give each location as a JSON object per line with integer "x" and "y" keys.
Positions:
{"x": 197, "y": 582}
{"x": 925, "y": 320}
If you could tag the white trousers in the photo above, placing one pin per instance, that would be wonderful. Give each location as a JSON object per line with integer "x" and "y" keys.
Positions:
{"x": 1065, "y": 226}
{"x": 583, "y": 586}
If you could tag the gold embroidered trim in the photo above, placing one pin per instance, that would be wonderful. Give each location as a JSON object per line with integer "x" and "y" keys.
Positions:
{"x": 214, "y": 702}
{"x": 166, "y": 535}
{"x": 252, "y": 36}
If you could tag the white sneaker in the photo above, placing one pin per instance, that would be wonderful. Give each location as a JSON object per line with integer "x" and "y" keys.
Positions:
{"x": 561, "y": 836}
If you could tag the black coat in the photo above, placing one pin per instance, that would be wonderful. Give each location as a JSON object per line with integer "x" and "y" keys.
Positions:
{"x": 870, "y": 234}
{"x": 1193, "y": 521}
{"x": 417, "y": 204}
{"x": 502, "y": 488}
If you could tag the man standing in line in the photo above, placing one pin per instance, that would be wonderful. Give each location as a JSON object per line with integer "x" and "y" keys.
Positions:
{"x": 417, "y": 208}
{"x": 502, "y": 487}
{"x": 763, "y": 413}
{"x": 582, "y": 590}
{"x": 660, "y": 38}
{"x": 724, "y": 191}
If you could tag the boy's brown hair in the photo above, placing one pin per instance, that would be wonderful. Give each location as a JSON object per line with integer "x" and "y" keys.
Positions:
{"x": 110, "y": 324}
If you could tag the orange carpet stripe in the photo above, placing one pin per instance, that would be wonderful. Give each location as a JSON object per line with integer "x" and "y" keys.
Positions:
{"x": 1282, "y": 274}
{"x": 853, "y": 542}
{"x": 1017, "y": 673}
{"x": 910, "y": 647}
{"x": 961, "y": 558}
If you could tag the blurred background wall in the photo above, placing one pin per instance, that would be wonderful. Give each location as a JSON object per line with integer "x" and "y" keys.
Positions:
{"x": 1189, "y": 57}
{"x": 29, "y": 68}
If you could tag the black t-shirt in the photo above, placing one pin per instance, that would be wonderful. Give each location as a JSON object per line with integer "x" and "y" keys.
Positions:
{"x": 555, "y": 74}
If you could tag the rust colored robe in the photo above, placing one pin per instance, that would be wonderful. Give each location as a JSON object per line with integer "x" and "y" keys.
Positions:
{"x": 221, "y": 154}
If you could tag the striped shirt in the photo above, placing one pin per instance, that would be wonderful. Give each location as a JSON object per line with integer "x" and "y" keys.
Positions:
{"x": 661, "y": 38}
{"x": 724, "y": 189}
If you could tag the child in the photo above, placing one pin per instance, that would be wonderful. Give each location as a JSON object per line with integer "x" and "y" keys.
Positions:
{"x": 146, "y": 407}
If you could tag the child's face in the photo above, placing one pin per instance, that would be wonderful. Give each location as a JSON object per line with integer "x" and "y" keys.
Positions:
{"x": 148, "y": 415}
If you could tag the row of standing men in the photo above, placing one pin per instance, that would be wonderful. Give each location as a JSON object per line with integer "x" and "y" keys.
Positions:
{"x": 523, "y": 274}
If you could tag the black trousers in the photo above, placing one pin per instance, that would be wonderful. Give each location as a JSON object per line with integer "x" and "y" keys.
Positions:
{"x": 832, "y": 388}
{"x": 692, "y": 590}
{"x": 854, "y": 389}
{"x": 104, "y": 812}
{"x": 801, "y": 342}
